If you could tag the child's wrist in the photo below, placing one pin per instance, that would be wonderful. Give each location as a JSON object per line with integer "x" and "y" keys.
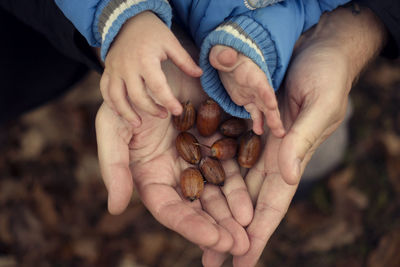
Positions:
{"x": 110, "y": 19}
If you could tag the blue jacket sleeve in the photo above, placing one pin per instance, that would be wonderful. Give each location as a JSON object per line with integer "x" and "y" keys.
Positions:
{"x": 99, "y": 21}
{"x": 267, "y": 36}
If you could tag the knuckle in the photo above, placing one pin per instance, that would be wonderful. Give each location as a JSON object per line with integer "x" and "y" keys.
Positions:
{"x": 119, "y": 103}
{"x": 115, "y": 96}
{"x": 157, "y": 87}
{"x": 238, "y": 99}
{"x": 132, "y": 96}
{"x": 147, "y": 106}
{"x": 143, "y": 60}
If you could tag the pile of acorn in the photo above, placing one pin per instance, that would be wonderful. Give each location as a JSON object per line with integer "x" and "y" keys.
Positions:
{"x": 208, "y": 120}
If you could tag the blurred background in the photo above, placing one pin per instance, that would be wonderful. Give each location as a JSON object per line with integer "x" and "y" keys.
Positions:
{"x": 53, "y": 204}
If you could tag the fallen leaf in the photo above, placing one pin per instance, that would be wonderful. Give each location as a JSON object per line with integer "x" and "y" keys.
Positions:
{"x": 45, "y": 206}
{"x": 86, "y": 248}
{"x": 338, "y": 234}
{"x": 387, "y": 253}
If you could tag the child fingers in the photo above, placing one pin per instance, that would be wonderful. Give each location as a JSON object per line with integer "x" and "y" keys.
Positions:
{"x": 118, "y": 96}
{"x": 141, "y": 100}
{"x": 160, "y": 91}
{"x": 267, "y": 102}
{"x": 257, "y": 117}
{"x": 272, "y": 115}
{"x": 274, "y": 122}
{"x": 265, "y": 94}
{"x": 182, "y": 59}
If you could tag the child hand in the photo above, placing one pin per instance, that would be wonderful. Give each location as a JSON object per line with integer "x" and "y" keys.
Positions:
{"x": 248, "y": 86}
{"x": 133, "y": 78}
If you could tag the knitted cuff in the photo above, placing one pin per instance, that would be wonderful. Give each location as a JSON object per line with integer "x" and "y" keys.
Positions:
{"x": 247, "y": 37}
{"x": 112, "y": 14}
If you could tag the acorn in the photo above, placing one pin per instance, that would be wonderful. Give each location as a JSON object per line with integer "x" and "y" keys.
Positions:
{"x": 188, "y": 148}
{"x": 212, "y": 170}
{"x": 186, "y": 120}
{"x": 233, "y": 127}
{"x": 224, "y": 148}
{"x": 249, "y": 149}
{"x": 192, "y": 183}
{"x": 208, "y": 117}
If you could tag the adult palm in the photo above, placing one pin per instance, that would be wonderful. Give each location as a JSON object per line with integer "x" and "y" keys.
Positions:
{"x": 146, "y": 158}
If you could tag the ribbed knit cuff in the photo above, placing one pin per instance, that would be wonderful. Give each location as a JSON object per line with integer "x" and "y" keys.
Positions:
{"x": 112, "y": 14}
{"x": 247, "y": 37}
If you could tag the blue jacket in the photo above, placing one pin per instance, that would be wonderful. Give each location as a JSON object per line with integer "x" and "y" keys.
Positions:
{"x": 263, "y": 30}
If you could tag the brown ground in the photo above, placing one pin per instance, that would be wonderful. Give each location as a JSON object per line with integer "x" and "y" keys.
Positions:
{"x": 53, "y": 203}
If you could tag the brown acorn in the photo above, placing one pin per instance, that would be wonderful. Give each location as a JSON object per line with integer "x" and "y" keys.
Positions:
{"x": 192, "y": 183}
{"x": 187, "y": 147}
{"x": 224, "y": 148}
{"x": 234, "y": 127}
{"x": 212, "y": 170}
{"x": 208, "y": 117}
{"x": 249, "y": 150}
{"x": 186, "y": 120}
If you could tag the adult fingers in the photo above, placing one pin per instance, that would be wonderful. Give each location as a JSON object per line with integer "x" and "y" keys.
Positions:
{"x": 234, "y": 188}
{"x": 272, "y": 202}
{"x": 113, "y": 136}
{"x": 118, "y": 96}
{"x": 212, "y": 258}
{"x": 255, "y": 178}
{"x": 214, "y": 203}
{"x": 182, "y": 59}
{"x": 166, "y": 205}
{"x": 236, "y": 193}
{"x": 160, "y": 91}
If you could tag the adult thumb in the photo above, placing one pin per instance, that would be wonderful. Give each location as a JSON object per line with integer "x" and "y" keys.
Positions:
{"x": 113, "y": 153}
{"x": 313, "y": 124}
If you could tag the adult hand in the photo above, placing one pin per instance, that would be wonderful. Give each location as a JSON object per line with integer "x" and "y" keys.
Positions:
{"x": 146, "y": 158}
{"x": 325, "y": 63}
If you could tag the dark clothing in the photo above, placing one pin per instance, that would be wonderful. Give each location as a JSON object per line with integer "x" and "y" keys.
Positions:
{"x": 42, "y": 55}
{"x": 389, "y": 13}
